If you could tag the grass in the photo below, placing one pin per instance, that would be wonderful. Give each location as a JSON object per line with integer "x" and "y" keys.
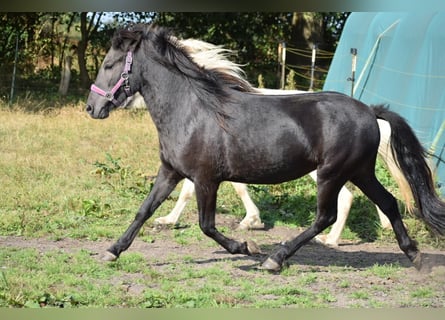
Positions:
{"x": 64, "y": 175}
{"x": 57, "y": 279}
{"x": 53, "y": 167}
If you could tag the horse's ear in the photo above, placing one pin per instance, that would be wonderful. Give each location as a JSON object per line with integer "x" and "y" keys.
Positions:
{"x": 132, "y": 46}
{"x": 127, "y": 39}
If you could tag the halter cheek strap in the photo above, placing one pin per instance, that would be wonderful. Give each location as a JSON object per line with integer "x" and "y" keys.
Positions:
{"x": 123, "y": 81}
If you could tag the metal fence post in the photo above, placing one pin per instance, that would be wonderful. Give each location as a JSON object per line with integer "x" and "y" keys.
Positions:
{"x": 353, "y": 69}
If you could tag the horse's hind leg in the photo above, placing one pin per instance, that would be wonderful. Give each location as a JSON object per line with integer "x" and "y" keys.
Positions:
{"x": 186, "y": 194}
{"x": 206, "y": 198}
{"x": 384, "y": 221}
{"x": 345, "y": 198}
{"x": 372, "y": 188}
{"x": 326, "y": 215}
{"x": 252, "y": 219}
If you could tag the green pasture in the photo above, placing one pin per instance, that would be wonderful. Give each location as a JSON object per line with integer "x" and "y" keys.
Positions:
{"x": 66, "y": 176}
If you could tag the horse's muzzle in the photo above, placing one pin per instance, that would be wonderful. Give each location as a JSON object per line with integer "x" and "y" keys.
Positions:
{"x": 102, "y": 114}
{"x": 89, "y": 109}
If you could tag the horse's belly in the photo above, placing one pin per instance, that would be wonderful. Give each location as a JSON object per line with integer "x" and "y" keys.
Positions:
{"x": 270, "y": 167}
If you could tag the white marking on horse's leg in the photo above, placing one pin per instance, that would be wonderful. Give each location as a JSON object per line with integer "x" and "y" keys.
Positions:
{"x": 344, "y": 204}
{"x": 252, "y": 219}
{"x": 345, "y": 198}
{"x": 384, "y": 221}
{"x": 187, "y": 191}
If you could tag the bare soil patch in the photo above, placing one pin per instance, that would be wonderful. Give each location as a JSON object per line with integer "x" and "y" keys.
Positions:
{"x": 347, "y": 263}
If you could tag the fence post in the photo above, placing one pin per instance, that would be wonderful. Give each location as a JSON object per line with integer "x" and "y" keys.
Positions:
{"x": 314, "y": 52}
{"x": 11, "y": 97}
{"x": 65, "y": 77}
{"x": 353, "y": 69}
{"x": 283, "y": 64}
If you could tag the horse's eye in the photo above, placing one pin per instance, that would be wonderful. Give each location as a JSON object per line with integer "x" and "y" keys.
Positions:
{"x": 108, "y": 66}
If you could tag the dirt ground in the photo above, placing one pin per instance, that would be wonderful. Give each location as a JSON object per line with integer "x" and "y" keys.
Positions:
{"x": 352, "y": 258}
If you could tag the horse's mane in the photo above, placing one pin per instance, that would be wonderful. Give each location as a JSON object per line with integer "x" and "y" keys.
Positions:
{"x": 216, "y": 58}
{"x": 208, "y": 65}
{"x": 203, "y": 61}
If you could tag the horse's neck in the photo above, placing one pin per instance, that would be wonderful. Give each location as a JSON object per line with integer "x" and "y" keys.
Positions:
{"x": 167, "y": 100}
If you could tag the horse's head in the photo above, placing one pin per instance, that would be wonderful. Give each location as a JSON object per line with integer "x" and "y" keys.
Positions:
{"x": 116, "y": 80}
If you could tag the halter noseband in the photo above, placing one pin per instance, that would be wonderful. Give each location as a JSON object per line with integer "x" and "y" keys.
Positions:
{"x": 123, "y": 81}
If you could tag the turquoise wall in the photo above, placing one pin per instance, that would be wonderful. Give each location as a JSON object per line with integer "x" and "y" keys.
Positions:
{"x": 400, "y": 62}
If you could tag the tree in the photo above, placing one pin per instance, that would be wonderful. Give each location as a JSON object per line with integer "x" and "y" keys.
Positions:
{"x": 88, "y": 26}
{"x": 255, "y": 37}
{"x": 15, "y": 26}
{"x": 48, "y": 40}
{"x": 309, "y": 30}
{"x": 65, "y": 77}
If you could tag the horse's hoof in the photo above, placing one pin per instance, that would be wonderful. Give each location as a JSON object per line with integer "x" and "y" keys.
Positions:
{"x": 162, "y": 221}
{"x": 158, "y": 221}
{"x": 320, "y": 239}
{"x": 270, "y": 265}
{"x": 323, "y": 240}
{"x": 160, "y": 224}
{"x": 108, "y": 256}
{"x": 418, "y": 262}
{"x": 252, "y": 247}
{"x": 256, "y": 225}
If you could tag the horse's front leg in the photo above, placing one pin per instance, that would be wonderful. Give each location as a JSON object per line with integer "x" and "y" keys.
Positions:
{"x": 187, "y": 191}
{"x": 165, "y": 183}
{"x": 206, "y": 198}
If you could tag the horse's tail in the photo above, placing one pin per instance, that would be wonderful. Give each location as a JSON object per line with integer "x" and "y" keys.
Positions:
{"x": 410, "y": 157}
{"x": 387, "y": 156}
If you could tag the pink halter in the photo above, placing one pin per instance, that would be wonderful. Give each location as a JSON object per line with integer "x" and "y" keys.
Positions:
{"x": 122, "y": 81}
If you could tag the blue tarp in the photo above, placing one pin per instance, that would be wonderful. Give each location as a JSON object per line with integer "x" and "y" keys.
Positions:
{"x": 400, "y": 62}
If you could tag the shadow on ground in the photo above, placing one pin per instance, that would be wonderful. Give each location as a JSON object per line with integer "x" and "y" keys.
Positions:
{"x": 316, "y": 255}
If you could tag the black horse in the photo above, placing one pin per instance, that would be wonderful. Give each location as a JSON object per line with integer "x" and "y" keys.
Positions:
{"x": 213, "y": 127}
